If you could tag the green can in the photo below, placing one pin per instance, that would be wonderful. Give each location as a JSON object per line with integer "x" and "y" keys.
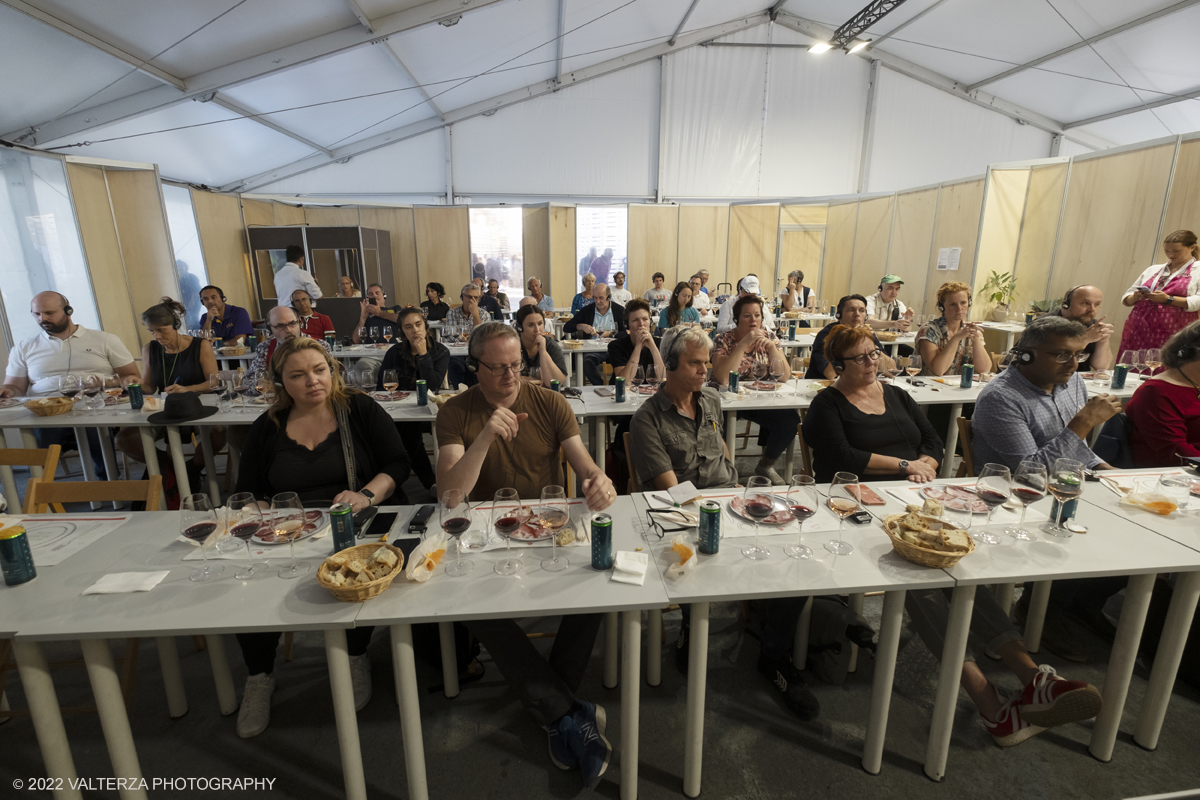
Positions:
{"x": 16, "y": 559}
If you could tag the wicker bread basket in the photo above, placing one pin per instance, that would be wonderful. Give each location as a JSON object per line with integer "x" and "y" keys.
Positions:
{"x": 363, "y": 591}
{"x": 886, "y": 336}
{"x": 50, "y": 406}
{"x": 925, "y": 556}
{"x": 233, "y": 350}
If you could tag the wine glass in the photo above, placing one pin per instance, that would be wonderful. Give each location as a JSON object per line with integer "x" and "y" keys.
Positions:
{"x": 387, "y": 334}
{"x": 362, "y": 335}
{"x": 506, "y": 519}
{"x": 913, "y": 367}
{"x": 651, "y": 376}
{"x": 244, "y": 518}
{"x": 1130, "y": 359}
{"x": 455, "y": 517}
{"x": 553, "y": 514}
{"x": 760, "y": 503}
{"x": 798, "y": 369}
{"x": 366, "y": 379}
{"x": 114, "y": 388}
{"x": 994, "y": 488}
{"x": 1152, "y": 359}
{"x": 777, "y": 369}
{"x": 1029, "y": 486}
{"x": 198, "y": 522}
{"x": 92, "y": 387}
{"x": 802, "y": 501}
{"x": 288, "y": 522}
{"x": 636, "y": 380}
{"x": 1065, "y": 483}
{"x": 843, "y": 502}
{"x": 758, "y": 370}
{"x": 69, "y": 386}
{"x": 374, "y": 334}
{"x": 391, "y": 381}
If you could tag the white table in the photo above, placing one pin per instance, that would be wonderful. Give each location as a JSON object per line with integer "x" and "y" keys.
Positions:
{"x": 586, "y": 346}
{"x": 1009, "y": 329}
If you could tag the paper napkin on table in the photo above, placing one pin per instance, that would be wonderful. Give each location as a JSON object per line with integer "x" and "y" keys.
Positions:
{"x": 630, "y": 567}
{"x": 684, "y": 493}
{"x": 122, "y": 582}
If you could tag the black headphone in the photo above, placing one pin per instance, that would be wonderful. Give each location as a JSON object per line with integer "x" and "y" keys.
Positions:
{"x": 839, "y": 364}
{"x": 1066, "y": 301}
{"x": 66, "y": 304}
{"x": 176, "y": 322}
{"x": 1024, "y": 356}
{"x": 1186, "y": 353}
{"x": 472, "y": 361}
{"x": 942, "y": 306}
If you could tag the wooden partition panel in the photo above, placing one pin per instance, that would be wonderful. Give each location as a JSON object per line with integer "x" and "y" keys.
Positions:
{"x": 803, "y": 215}
{"x": 753, "y": 236}
{"x": 1043, "y": 206}
{"x": 535, "y": 241}
{"x": 219, "y": 220}
{"x": 1110, "y": 223}
{"x": 871, "y": 239}
{"x": 1183, "y": 207}
{"x": 912, "y": 232}
{"x": 704, "y": 242}
{"x": 257, "y": 213}
{"x": 957, "y": 225}
{"x": 398, "y": 222}
{"x": 560, "y": 282}
{"x": 443, "y": 249}
{"x": 1001, "y": 232}
{"x": 839, "y": 250}
{"x": 326, "y": 216}
{"x": 653, "y": 245}
{"x": 287, "y": 214}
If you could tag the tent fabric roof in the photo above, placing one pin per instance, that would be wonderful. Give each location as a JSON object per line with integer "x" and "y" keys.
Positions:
{"x": 332, "y": 77}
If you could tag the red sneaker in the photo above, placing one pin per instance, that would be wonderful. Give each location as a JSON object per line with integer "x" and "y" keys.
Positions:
{"x": 1010, "y": 728}
{"x": 1049, "y": 700}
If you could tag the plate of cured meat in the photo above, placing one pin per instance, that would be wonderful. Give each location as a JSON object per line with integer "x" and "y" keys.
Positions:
{"x": 955, "y": 498}
{"x": 315, "y": 521}
{"x": 780, "y": 513}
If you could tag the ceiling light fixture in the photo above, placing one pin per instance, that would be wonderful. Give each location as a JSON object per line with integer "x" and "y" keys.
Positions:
{"x": 450, "y": 21}
{"x": 820, "y": 47}
{"x": 859, "y": 45}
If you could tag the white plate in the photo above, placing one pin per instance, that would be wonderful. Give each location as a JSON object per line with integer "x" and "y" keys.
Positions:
{"x": 315, "y": 521}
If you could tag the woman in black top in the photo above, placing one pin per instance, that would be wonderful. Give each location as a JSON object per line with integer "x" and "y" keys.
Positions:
{"x": 435, "y": 309}
{"x": 415, "y": 356}
{"x": 297, "y": 447}
{"x": 862, "y": 426}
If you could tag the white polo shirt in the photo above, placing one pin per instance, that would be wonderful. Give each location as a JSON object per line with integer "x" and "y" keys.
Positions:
{"x": 43, "y": 358}
{"x": 290, "y": 278}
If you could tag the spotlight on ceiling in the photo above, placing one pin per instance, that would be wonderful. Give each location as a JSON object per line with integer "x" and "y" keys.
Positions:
{"x": 820, "y": 47}
{"x": 859, "y": 45}
{"x": 450, "y": 21}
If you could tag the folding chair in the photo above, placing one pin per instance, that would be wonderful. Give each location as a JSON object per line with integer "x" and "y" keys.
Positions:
{"x": 967, "y": 468}
{"x": 46, "y": 459}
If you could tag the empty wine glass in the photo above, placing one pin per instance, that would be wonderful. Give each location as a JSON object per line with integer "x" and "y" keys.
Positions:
{"x": 994, "y": 488}
{"x": 455, "y": 518}
{"x": 362, "y": 335}
{"x": 759, "y": 504}
{"x": 366, "y": 379}
{"x": 198, "y": 522}
{"x": 287, "y": 520}
{"x": 843, "y": 502}
{"x": 777, "y": 369}
{"x": 374, "y": 333}
{"x": 244, "y": 519}
{"x": 802, "y": 502}
{"x": 1065, "y": 483}
{"x": 507, "y": 519}
{"x": 1029, "y": 486}
{"x": 1130, "y": 359}
{"x": 553, "y": 514}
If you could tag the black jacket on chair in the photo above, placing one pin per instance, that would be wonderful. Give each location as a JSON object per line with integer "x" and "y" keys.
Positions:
{"x": 587, "y": 315}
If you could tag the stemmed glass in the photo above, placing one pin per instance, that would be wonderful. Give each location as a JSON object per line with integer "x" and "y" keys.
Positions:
{"x": 391, "y": 381}
{"x": 994, "y": 488}
{"x": 636, "y": 380}
{"x": 913, "y": 367}
{"x": 1029, "y": 486}
{"x": 92, "y": 386}
{"x": 264, "y": 387}
{"x": 1130, "y": 359}
{"x": 69, "y": 386}
{"x": 553, "y": 514}
{"x": 777, "y": 369}
{"x": 244, "y": 518}
{"x": 1152, "y": 359}
{"x": 760, "y": 503}
{"x": 455, "y": 517}
{"x": 374, "y": 334}
{"x": 843, "y": 501}
{"x": 798, "y": 369}
{"x": 366, "y": 380}
{"x": 802, "y": 502}
{"x": 198, "y": 522}
{"x": 114, "y": 388}
{"x": 288, "y": 522}
{"x": 651, "y": 376}
{"x": 1065, "y": 483}
{"x": 362, "y": 336}
{"x": 758, "y": 371}
{"x": 506, "y": 519}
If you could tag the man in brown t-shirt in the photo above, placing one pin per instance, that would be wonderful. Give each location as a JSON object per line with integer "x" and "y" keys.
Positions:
{"x": 505, "y": 432}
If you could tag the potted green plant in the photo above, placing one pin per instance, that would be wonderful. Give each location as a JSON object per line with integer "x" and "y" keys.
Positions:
{"x": 1040, "y": 308}
{"x": 1001, "y": 289}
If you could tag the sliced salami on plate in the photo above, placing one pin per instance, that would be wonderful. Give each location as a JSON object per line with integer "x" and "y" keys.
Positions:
{"x": 955, "y": 498}
{"x": 778, "y": 517}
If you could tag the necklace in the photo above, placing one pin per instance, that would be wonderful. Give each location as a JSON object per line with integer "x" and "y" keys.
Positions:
{"x": 174, "y": 362}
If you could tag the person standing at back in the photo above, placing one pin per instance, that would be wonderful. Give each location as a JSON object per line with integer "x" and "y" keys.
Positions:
{"x": 601, "y": 266}
{"x": 292, "y": 276}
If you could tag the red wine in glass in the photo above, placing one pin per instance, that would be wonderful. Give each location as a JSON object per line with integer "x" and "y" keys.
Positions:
{"x": 506, "y": 526}
{"x": 456, "y": 526}
{"x": 245, "y": 530}
{"x": 759, "y": 509}
{"x": 991, "y": 498}
{"x": 200, "y": 531}
{"x": 69, "y": 392}
{"x": 1028, "y": 496}
{"x": 801, "y": 513}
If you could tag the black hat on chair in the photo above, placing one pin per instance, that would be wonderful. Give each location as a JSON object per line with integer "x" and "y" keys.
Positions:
{"x": 181, "y": 408}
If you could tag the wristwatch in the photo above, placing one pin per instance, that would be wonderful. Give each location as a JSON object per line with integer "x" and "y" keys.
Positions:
{"x": 367, "y": 493}
{"x": 904, "y": 466}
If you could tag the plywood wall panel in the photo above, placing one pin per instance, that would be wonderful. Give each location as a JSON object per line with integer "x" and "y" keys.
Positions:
{"x": 909, "y": 253}
{"x": 443, "y": 248}
{"x": 871, "y": 239}
{"x": 957, "y": 225}
{"x": 839, "y": 249}
{"x": 1002, "y": 211}
{"x": 653, "y": 246}
{"x": 560, "y": 281}
{"x": 219, "y": 220}
{"x": 803, "y": 215}
{"x": 1043, "y": 207}
{"x": 286, "y": 214}
{"x": 1183, "y": 208}
{"x": 704, "y": 241}
{"x": 753, "y": 237}
{"x": 535, "y": 242}
{"x": 329, "y": 217}
{"x": 256, "y": 213}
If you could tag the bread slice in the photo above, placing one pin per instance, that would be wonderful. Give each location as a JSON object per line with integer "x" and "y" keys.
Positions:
{"x": 955, "y": 540}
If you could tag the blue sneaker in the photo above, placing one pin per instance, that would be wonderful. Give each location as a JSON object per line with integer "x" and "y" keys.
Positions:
{"x": 560, "y": 749}
{"x": 586, "y": 737}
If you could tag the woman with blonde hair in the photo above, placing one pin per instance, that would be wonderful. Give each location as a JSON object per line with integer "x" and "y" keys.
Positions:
{"x": 943, "y": 342}
{"x": 1165, "y": 298}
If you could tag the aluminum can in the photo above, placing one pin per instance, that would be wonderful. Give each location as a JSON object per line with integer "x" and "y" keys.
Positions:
{"x": 792, "y": 331}
{"x": 341, "y": 519}
{"x": 329, "y": 339}
{"x": 1119, "y": 375}
{"x": 619, "y": 383}
{"x": 16, "y": 559}
{"x": 252, "y": 341}
{"x": 710, "y": 527}
{"x": 422, "y": 393}
{"x": 733, "y": 381}
{"x": 136, "y": 400}
{"x": 968, "y": 374}
{"x": 1028, "y": 317}
{"x": 217, "y": 343}
{"x": 1068, "y": 509}
{"x": 602, "y": 542}
{"x": 555, "y": 386}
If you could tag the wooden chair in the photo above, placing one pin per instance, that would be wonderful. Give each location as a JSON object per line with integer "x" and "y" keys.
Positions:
{"x": 635, "y": 484}
{"x": 41, "y": 493}
{"x": 46, "y": 459}
{"x": 996, "y": 358}
{"x": 967, "y": 468}
{"x": 805, "y": 450}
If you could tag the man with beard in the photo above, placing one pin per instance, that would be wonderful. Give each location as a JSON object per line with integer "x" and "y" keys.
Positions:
{"x": 67, "y": 348}
{"x": 1082, "y": 304}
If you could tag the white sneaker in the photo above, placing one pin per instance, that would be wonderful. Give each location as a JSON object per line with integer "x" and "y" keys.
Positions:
{"x": 360, "y": 679}
{"x": 255, "y": 714}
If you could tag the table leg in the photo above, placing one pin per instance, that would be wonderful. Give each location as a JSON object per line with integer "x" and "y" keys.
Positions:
{"x": 1166, "y": 660}
{"x": 856, "y": 605}
{"x": 449, "y": 658}
{"x": 344, "y": 714}
{"x": 885, "y": 674}
{"x": 29, "y": 441}
{"x": 577, "y": 361}
{"x": 47, "y": 717}
{"x": 631, "y": 665}
{"x": 1004, "y": 596}
{"x": 168, "y": 659}
{"x": 949, "y": 678}
{"x": 110, "y": 458}
{"x": 693, "y": 730}
{"x": 654, "y": 646}
{"x": 1036, "y": 616}
{"x": 234, "y": 461}
{"x": 404, "y": 667}
{"x": 151, "y": 454}
{"x": 85, "y": 459}
{"x": 1120, "y": 665}
{"x": 210, "y": 466}
{"x": 731, "y": 433}
{"x": 175, "y": 445}
{"x": 9, "y": 484}
{"x": 951, "y": 440}
{"x": 222, "y": 678}
{"x": 110, "y": 704}
{"x": 612, "y": 624}
{"x": 788, "y": 459}
{"x": 800, "y": 640}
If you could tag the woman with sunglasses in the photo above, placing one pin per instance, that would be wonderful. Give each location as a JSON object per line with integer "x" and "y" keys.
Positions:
{"x": 864, "y": 426}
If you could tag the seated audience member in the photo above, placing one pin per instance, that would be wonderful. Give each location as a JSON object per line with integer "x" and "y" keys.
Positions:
{"x": 347, "y": 287}
{"x": 704, "y": 281}
{"x": 599, "y": 320}
{"x": 507, "y": 433}
{"x": 498, "y": 297}
{"x": 620, "y": 295}
{"x": 527, "y": 301}
{"x": 36, "y": 364}
{"x": 465, "y": 318}
{"x": 864, "y": 426}
{"x": 584, "y": 298}
{"x": 679, "y": 307}
{"x": 1164, "y": 412}
{"x": 284, "y": 327}
{"x": 375, "y": 314}
{"x": 415, "y": 356}
{"x": 1038, "y": 410}
{"x": 677, "y": 437}
{"x": 1082, "y": 304}
{"x": 885, "y": 310}
{"x": 543, "y": 301}
{"x": 313, "y": 324}
{"x": 700, "y": 300}
{"x": 172, "y": 362}
{"x": 740, "y": 350}
{"x": 658, "y": 295}
{"x": 228, "y": 322}
{"x": 796, "y": 296}
{"x": 542, "y": 358}
{"x": 627, "y": 352}
{"x": 298, "y": 446}
{"x": 434, "y": 307}
{"x": 747, "y": 286}
{"x": 486, "y": 301}
{"x": 851, "y": 312}
{"x": 943, "y": 342}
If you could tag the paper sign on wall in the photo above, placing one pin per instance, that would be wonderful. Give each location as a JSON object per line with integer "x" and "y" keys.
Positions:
{"x": 948, "y": 258}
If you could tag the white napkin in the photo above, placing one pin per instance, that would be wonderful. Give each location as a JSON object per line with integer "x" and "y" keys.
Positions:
{"x": 122, "y": 582}
{"x": 630, "y": 567}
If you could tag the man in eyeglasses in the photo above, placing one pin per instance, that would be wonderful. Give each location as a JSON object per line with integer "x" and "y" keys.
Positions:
{"x": 851, "y": 312}
{"x": 284, "y": 325}
{"x": 505, "y": 432}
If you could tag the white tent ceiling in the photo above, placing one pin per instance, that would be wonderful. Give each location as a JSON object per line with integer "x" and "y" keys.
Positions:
{"x": 302, "y": 86}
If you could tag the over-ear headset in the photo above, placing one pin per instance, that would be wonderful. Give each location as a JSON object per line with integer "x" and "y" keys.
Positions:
{"x": 66, "y": 304}
{"x": 942, "y": 306}
{"x": 472, "y": 361}
{"x": 1024, "y": 356}
{"x": 1066, "y": 301}
{"x": 839, "y": 364}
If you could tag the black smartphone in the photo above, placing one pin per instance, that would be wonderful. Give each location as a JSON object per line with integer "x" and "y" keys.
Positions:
{"x": 860, "y": 517}
{"x": 407, "y": 544}
{"x": 382, "y": 525}
{"x": 363, "y": 519}
{"x": 422, "y": 515}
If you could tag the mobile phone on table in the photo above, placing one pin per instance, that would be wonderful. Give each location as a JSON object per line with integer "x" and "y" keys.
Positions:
{"x": 381, "y": 525}
{"x": 363, "y": 519}
{"x": 422, "y": 515}
{"x": 860, "y": 517}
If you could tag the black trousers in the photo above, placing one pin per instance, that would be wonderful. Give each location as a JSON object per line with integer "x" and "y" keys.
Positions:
{"x": 411, "y": 434}
{"x": 258, "y": 649}
{"x": 65, "y": 438}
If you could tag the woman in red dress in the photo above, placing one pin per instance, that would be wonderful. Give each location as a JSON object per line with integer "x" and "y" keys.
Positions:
{"x": 1164, "y": 412}
{"x": 1165, "y": 298}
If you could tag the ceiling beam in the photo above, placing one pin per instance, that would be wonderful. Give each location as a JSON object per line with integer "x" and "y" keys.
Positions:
{"x": 230, "y": 105}
{"x": 65, "y": 27}
{"x": 390, "y": 49}
{"x": 249, "y": 69}
{"x": 904, "y": 25}
{"x": 1162, "y": 12}
{"x": 491, "y": 105}
{"x": 1166, "y": 101}
{"x": 363, "y": 19}
{"x": 562, "y": 35}
{"x": 688, "y": 15}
